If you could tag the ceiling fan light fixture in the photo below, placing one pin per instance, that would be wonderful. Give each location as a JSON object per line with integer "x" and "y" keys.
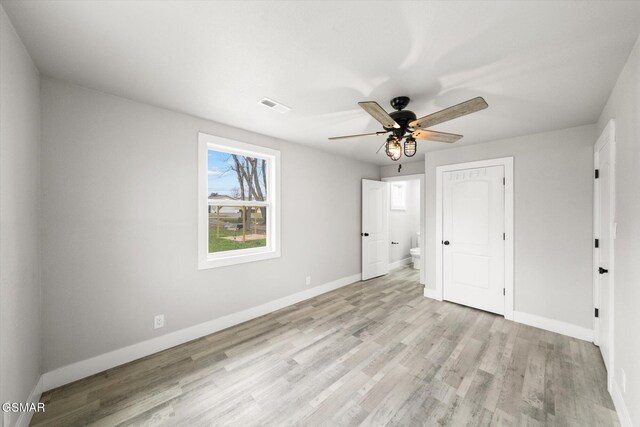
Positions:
{"x": 393, "y": 148}
{"x": 410, "y": 146}
{"x": 388, "y": 145}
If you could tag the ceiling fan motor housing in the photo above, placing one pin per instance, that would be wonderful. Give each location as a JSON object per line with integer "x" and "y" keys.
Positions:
{"x": 403, "y": 118}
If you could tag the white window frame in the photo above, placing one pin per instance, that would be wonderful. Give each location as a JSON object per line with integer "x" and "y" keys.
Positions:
{"x": 207, "y": 260}
{"x": 398, "y": 198}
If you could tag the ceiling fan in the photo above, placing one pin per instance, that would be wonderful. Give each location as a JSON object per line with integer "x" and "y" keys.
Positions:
{"x": 402, "y": 124}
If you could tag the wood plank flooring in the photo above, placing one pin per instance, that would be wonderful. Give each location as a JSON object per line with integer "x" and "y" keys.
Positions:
{"x": 372, "y": 353}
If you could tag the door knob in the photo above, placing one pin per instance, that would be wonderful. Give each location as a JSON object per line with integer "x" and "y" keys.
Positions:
{"x": 446, "y": 243}
{"x": 602, "y": 270}
{"x": 364, "y": 234}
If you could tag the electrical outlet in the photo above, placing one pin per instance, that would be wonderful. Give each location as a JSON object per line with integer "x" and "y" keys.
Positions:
{"x": 308, "y": 280}
{"x": 624, "y": 381}
{"x": 158, "y": 321}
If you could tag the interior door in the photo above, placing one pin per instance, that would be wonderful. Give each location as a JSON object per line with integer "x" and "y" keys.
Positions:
{"x": 603, "y": 254}
{"x": 375, "y": 228}
{"x": 473, "y": 237}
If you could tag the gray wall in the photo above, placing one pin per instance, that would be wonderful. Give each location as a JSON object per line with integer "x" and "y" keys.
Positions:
{"x": 624, "y": 107}
{"x": 409, "y": 168}
{"x": 120, "y": 241}
{"x": 20, "y": 320}
{"x": 553, "y": 187}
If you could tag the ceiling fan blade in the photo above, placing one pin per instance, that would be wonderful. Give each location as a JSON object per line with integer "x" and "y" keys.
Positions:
{"x": 459, "y": 110}
{"x": 378, "y": 113}
{"x": 432, "y": 135}
{"x": 358, "y": 135}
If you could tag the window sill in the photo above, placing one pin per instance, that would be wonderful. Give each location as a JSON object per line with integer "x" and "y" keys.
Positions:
{"x": 227, "y": 260}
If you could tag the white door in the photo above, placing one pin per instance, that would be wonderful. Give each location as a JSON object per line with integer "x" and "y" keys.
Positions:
{"x": 603, "y": 253}
{"x": 473, "y": 237}
{"x": 375, "y": 228}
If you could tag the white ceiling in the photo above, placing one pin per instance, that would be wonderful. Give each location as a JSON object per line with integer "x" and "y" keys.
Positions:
{"x": 539, "y": 65}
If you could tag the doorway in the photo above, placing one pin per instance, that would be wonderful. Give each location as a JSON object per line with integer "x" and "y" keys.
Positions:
{"x": 407, "y": 222}
{"x": 474, "y": 234}
{"x": 604, "y": 231}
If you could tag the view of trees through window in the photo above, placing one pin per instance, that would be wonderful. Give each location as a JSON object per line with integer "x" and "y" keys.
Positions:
{"x": 233, "y": 181}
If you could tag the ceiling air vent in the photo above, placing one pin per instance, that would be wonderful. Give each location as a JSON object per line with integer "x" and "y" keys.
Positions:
{"x": 274, "y": 105}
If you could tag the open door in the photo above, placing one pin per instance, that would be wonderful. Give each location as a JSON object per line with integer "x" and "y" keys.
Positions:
{"x": 473, "y": 237}
{"x": 375, "y": 228}
{"x": 604, "y": 234}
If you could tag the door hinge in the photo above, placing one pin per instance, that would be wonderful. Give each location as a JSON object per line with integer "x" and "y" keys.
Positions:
{"x": 504, "y": 291}
{"x": 597, "y": 175}
{"x": 504, "y": 236}
{"x": 504, "y": 181}
{"x": 597, "y": 313}
{"x": 597, "y": 243}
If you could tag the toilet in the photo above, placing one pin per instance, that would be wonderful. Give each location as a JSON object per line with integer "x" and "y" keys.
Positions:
{"x": 415, "y": 251}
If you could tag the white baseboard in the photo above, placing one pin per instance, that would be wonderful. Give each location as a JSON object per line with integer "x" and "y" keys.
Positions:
{"x": 545, "y": 323}
{"x": 552, "y": 325}
{"x": 399, "y": 263}
{"x": 34, "y": 397}
{"x": 85, "y": 368}
{"x": 621, "y": 406}
{"x": 431, "y": 293}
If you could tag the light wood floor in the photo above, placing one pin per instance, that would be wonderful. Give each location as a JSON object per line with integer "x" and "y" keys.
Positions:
{"x": 373, "y": 353}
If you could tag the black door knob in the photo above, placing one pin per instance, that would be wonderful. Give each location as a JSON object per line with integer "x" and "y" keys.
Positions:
{"x": 364, "y": 234}
{"x": 602, "y": 270}
{"x": 446, "y": 243}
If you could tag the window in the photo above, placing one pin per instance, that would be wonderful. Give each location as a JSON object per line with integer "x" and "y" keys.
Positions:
{"x": 398, "y": 196}
{"x": 239, "y": 206}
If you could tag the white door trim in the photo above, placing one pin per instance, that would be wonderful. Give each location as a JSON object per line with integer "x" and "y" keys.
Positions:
{"x": 507, "y": 162}
{"x": 423, "y": 231}
{"x": 607, "y": 136}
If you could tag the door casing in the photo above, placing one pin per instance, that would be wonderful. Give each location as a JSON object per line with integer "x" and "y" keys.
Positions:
{"x": 507, "y": 162}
